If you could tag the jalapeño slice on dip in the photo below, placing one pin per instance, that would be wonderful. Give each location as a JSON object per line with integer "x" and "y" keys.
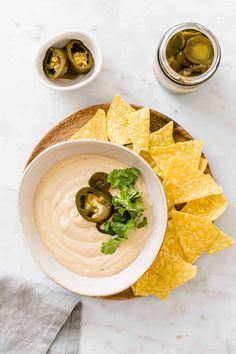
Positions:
{"x": 94, "y": 205}
{"x": 99, "y": 181}
{"x": 76, "y": 242}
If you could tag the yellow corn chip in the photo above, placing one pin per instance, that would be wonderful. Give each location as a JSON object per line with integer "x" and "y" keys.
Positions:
{"x": 202, "y": 164}
{"x": 184, "y": 183}
{"x": 163, "y": 136}
{"x": 152, "y": 284}
{"x": 176, "y": 271}
{"x": 189, "y": 150}
{"x": 159, "y": 262}
{"x": 117, "y": 125}
{"x": 138, "y": 129}
{"x": 221, "y": 242}
{"x": 212, "y": 206}
{"x": 170, "y": 211}
{"x": 96, "y": 128}
{"x": 171, "y": 243}
{"x": 166, "y": 273}
{"x": 147, "y": 157}
{"x": 158, "y": 171}
{"x": 195, "y": 234}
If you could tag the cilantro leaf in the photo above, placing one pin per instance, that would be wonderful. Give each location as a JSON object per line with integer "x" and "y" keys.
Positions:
{"x": 121, "y": 230}
{"x": 110, "y": 246}
{"x": 108, "y": 228}
{"x": 129, "y": 198}
{"x": 133, "y": 194}
{"x": 123, "y": 177}
{"x": 142, "y": 223}
{"x": 121, "y": 211}
{"x": 120, "y": 218}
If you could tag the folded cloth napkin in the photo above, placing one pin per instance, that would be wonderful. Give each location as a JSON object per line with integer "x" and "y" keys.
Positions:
{"x": 37, "y": 320}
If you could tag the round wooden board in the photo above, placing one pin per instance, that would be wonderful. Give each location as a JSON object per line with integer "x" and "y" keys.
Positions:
{"x": 68, "y": 126}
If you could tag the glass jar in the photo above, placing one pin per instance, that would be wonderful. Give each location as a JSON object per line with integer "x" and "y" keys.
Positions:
{"x": 169, "y": 78}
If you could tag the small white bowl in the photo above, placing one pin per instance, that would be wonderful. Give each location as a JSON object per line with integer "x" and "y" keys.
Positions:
{"x": 59, "y": 41}
{"x": 91, "y": 286}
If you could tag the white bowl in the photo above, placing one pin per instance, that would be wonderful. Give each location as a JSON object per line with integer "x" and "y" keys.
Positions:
{"x": 80, "y": 284}
{"x": 60, "y": 40}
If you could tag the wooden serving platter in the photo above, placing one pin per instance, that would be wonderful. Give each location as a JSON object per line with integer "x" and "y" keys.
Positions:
{"x": 68, "y": 126}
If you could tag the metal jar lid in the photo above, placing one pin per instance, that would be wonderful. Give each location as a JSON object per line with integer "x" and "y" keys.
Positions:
{"x": 173, "y": 75}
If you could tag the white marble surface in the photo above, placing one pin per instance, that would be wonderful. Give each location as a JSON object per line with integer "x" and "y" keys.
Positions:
{"x": 199, "y": 317}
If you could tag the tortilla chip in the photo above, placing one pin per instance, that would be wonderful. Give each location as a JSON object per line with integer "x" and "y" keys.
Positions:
{"x": 138, "y": 129}
{"x": 163, "y": 136}
{"x": 221, "y": 242}
{"x": 96, "y": 128}
{"x": 158, "y": 171}
{"x": 195, "y": 234}
{"x": 184, "y": 183}
{"x": 147, "y": 157}
{"x": 176, "y": 271}
{"x": 202, "y": 164}
{"x": 166, "y": 273}
{"x": 152, "y": 284}
{"x": 212, "y": 206}
{"x": 170, "y": 211}
{"x": 189, "y": 150}
{"x": 171, "y": 243}
{"x": 117, "y": 125}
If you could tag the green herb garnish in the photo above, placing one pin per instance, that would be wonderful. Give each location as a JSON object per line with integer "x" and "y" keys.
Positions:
{"x": 128, "y": 206}
{"x": 142, "y": 223}
{"x": 125, "y": 177}
{"x": 110, "y": 246}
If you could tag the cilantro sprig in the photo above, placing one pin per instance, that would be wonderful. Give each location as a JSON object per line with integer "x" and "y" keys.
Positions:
{"x": 123, "y": 177}
{"x": 128, "y": 208}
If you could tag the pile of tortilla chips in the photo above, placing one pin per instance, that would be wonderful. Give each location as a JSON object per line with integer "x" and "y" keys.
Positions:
{"x": 194, "y": 199}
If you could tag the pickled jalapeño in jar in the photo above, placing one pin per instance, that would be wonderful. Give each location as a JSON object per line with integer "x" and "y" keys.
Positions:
{"x": 187, "y": 56}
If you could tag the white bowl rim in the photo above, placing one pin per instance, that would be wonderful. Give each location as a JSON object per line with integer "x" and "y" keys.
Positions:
{"x": 34, "y": 256}
{"x": 60, "y": 36}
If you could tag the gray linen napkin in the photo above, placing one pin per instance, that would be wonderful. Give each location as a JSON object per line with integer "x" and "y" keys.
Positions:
{"x": 37, "y": 320}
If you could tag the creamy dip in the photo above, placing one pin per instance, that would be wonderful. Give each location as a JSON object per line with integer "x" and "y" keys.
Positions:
{"x": 74, "y": 242}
